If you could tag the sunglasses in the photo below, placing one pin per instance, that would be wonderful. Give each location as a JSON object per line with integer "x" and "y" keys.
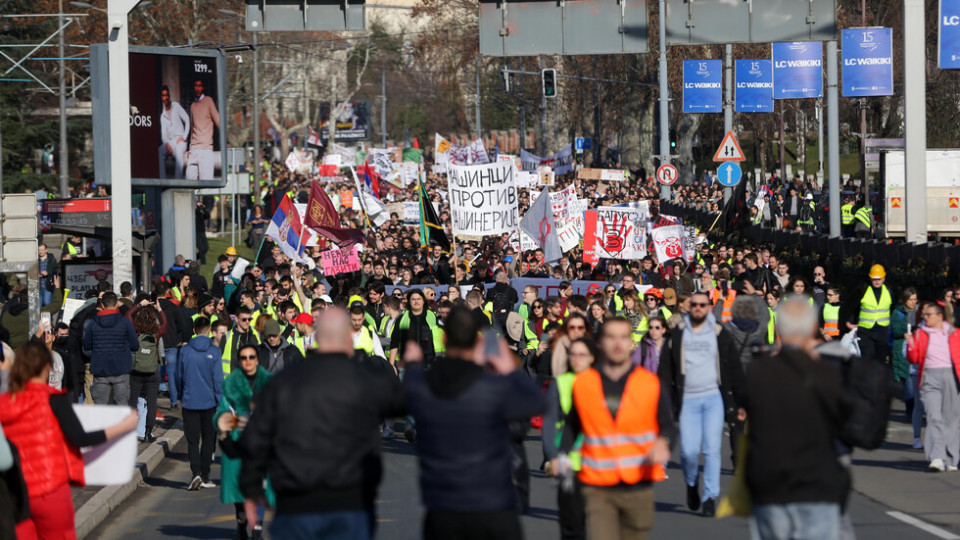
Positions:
{"x": 611, "y": 291}
{"x": 656, "y": 328}
{"x": 249, "y": 357}
{"x": 537, "y": 307}
{"x": 577, "y": 327}
{"x": 245, "y": 319}
{"x": 699, "y": 304}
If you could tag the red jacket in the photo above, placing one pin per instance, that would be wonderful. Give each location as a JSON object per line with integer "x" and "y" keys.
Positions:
{"x": 917, "y": 354}
{"x": 47, "y": 459}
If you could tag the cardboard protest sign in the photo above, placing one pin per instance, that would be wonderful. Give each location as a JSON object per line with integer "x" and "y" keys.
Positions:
{"x": 668, "y": 242}
{"x": 619, "y": 233}
{"x": 336, "y": 261}
{"x": 483, "y": 198}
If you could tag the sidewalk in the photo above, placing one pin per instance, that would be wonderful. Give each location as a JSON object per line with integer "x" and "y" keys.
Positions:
{"x": 896, "y": 476}
{"x": 93, "y": 504}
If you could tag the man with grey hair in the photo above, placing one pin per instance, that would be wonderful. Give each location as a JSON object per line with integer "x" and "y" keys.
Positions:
{"x": 796, "y": 406}
{"x": 315, "y": 433}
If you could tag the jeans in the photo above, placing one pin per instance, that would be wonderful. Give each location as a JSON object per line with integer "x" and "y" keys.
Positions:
{"x": 797, "y": 521}
{"x": 327, "y": 525}
{"x": 701, "y": 430}
{"x": 144, "y": 386}
{"x": 911, "y": 391}
{"x": 170, "y": 359}
{"x": 45, "y": 296}
{"x": 119, "y": 384}
{"x": 141, "y": 418}
{"x": 201, "y": 440}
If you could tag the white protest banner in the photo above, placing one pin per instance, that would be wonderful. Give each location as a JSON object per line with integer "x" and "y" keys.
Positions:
{"x": 483, "y": 199}
{"x": 539, "y": 224}
{"x": 620, "y": 232}
{"x": 111, "y": 463}
{"x": 689, "y": 243}
{"x": 409, "y": 171}
{"x": 562, "y": 201}
{"x": 668, "y": 242}
{"x": 526, "y": 179}
{"x": 292, "y": 162}
{"x": 561, "y": 162}
{"x": 241, "y": 265}
{"x": 568, "y": 235}
{"x": 348, "y": 155}
{"x": 333, "y": 159}
{"x": 526, "y": 243}
{"x": 336, "y": 261}
{"x": 380, "y": 159}
{"x": 411, "y": 213}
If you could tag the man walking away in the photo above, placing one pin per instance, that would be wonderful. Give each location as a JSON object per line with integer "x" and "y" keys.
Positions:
{"x": 625, "y": 419}
{"x": 199, "y": 378}
{"x": 315, "y": 433}
{"x": 465, "y": 465}
{"x": 796, "y": 406}
{"x": 111, "y": 340}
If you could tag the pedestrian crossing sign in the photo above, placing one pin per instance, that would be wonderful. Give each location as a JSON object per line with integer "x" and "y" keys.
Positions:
{"x": 896, "y": 202}
{"x": 954, "y": 202}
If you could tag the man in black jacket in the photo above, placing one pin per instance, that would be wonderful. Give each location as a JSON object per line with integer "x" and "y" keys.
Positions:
{"x": 315, "y": 433}
{"x": 178, "y": 333}
{"x": 465, "y": 465}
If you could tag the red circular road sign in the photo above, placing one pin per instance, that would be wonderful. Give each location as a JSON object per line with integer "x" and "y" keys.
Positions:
{"x": 667, "y": 174}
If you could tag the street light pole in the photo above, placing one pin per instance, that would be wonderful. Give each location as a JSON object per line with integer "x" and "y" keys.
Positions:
{"x": 257, "y": 156}
{"x": 664, "y": 99}
{"x": 64, "y": 187}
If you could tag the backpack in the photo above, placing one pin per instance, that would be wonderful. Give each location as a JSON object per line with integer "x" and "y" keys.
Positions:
{"x": 147, "y": 357}
{"x": 870, "y": 388}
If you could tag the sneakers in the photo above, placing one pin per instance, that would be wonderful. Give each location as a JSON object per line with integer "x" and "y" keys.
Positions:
{"x": 937, "y": 465}
{"x": 159, "y": 417}
{"x": 951, "y": 468}
{"x": 149, "y": 438}
{"x": 693, "y": 496}
{"x": 709, "y": 508}
{"x": 917, "y": 443}
{"x": 207, "y": 484}
{"x": 195, "y": 484}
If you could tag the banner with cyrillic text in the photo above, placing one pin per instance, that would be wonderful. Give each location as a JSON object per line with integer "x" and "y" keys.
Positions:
{"x": 483, "y": 198}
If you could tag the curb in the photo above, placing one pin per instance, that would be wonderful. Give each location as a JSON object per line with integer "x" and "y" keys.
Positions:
{"x": 93, "y": 512}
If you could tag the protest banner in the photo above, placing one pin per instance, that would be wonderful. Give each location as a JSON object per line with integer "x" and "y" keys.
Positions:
{"x": 619, "y": 233}
{"x": 605, "y": 175}
{"x": 483, "y": 199}
{"x": 668, "y": 242}
{"x": 380, "y": 159}
{"x": 561, "y": 162}
{"x": 336, "y": 261}
{"x": 568, "y": 235}
{"x": 689, "y": 243}
{"x": 113, "y": 462}
{"x": 333, "y": 159}
{"x": 563, "y": 201}
{"x": 526, "y": 179}
{"x": 546, "y": 287}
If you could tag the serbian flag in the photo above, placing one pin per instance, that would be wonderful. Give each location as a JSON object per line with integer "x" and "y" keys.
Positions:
{"x": 370, "y": 178}
{"x": 286, "y": 230}
{"x": 323, "y": 218}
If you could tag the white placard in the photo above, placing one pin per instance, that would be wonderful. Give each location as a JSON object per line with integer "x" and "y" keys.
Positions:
{"x": 239, "y": 268}
{"x": 111, "y": 463}
{"x": 483, "y": 198}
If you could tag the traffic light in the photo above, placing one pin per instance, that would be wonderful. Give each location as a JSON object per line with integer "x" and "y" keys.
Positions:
{"x": 548, "y": 79}
{"x": 505, "y": 75}
{"x": 673, "y": 139}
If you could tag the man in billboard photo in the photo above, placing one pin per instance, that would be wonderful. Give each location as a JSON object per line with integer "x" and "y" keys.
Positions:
{"x": 174, "y": 128}
{"x": 204, "y": 117}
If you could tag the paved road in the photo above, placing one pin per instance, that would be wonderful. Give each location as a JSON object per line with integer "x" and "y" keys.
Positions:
{"x": 164, "y": 509}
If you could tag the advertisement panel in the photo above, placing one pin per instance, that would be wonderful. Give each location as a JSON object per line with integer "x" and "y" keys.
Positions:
{"x": 754, "y": 86}
{"x": 867, "y": 62}
{"x": 798, "y": 70}
{"x": 353, "y": 122}
{"x": 948, "y": 39}
{"x": 177, "y": 117}
{"x": 702, "y": 86}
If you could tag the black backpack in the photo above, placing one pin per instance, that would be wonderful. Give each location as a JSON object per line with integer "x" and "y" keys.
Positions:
{"x": 870, "y": 389}
{"x": 147, "y": 357}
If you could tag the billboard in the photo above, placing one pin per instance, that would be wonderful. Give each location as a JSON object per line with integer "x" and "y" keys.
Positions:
{"x": 948, "y": 38}
{"x": 753, "y": 86}
{"x": 353, "y": 122}
{"x": 702, "y": 86}
{"x": 867, "y": 62}
{"x": 798, "y": 70}
{"x": 178, "y": 117}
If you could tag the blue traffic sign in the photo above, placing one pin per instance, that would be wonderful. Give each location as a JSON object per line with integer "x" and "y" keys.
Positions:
{"x": 754, "y": 86}
{"x": 729, "y": 174}
{"x": 867, "y": 62}
{"x": 702, "y": 86}
{"x": 948, "y": 46}
{"x": 797, "y": 70}
{"x": 582, "y": 143}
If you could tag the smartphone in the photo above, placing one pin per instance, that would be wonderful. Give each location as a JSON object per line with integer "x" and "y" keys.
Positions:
{"x": 491, "y": 343}
{"x": 45, "y": 322}
{"x": 723, "y": 287}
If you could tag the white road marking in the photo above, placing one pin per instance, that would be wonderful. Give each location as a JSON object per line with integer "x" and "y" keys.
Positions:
{"x": 924, "y": 526}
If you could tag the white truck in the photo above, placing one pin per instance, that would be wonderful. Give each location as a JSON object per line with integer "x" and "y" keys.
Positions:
{"x": 943, "y": 192}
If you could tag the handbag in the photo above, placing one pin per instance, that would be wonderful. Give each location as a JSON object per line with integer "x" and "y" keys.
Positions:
{"x": 737, "y": 501}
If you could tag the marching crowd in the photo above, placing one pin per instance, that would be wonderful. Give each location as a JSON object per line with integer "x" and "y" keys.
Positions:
{"x": 299, "y": 375}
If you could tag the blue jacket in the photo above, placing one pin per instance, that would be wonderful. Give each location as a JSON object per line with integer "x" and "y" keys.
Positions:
{"x": 199, "y": 375}
{"x": 111, "y": 340}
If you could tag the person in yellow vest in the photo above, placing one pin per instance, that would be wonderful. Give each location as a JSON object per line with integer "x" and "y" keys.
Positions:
{"x": 773, "y": 300}
{"x": 846, "y": 217}
{"x": 417, "y": 324}
{"x": 206, "y": 307}
{"x": 70, "y": 249}
{"x": 627, "y": 425}
{"x": 242, "y": 334}
{"x": 873, "y": 326}
{"x": 304, "y": 336}
{"x": 570, "y": 511}
{"x": 830, "y": 315}
{"x": 863, "y": 221}
{"x": 364, "y": 339}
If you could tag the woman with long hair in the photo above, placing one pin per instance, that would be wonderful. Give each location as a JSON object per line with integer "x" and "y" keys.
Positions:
{"x": 647, "y": 355}
{"x": 258, "y": 225}
{"x": 145, "y": 377}
{"x": 574, "y": 327}
{"x": 239, "y": 390}
{"x": 41, "y": 423}
{"x": 636, "y": 312}
{"x": 596, "y": 315}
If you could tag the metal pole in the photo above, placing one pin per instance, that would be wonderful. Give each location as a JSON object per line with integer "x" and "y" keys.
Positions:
{"x": 234, "y": 217}
{"x": 257, "y": 155}
{"x": 543, "y": 117}
{"x": 833, "y": 128}
{"x": 820, "y": 138}
{"x": 863, "y": 113}
{"x": 64, "y": 185}
{"x": 783, "y": 147}
{"x": 523, "y": 116}
{"x": 915, "y": 119}
{"x": 479, "y": 130}
{"x": 596, "y": 114}
{"x": 727, "y": 102}
{"x": 118, "y": 49}
{"x": 664, "y": 98}
{"x": 383, "y": 109}
{"x": 306, "y": 113}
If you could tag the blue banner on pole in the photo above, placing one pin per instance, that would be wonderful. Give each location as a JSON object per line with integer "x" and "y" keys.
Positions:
{"x": 754, "y": 86}
{"x": 867, "y": 62}
{"x": 702, "y": 86}
{"x": 798, "y": 70}
{"x": 948, "y": 46}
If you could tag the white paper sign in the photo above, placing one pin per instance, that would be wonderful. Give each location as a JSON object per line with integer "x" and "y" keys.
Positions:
{"x": 111, "y": 463}
{"x": 622, "y": 233}
{"x": 483, "y": 199}
{"x": 241, "y": 266}
{"x": 668, "y": 242}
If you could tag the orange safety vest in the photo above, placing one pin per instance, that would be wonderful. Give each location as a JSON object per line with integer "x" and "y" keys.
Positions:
{"x": 615, "y": 451}
{"x": 725, "y": 314}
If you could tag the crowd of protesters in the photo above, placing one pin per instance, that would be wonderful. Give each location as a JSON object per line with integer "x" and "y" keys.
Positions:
{"x": 650, "y": 364}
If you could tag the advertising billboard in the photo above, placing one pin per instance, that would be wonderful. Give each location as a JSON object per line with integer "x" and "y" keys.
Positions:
{"x": 753, "y": 86}
{"x": 177, "y": 117}
{"x": 867, "y": 62}
{"x": 353, "y": 122}
{"x": 702, "y": 86}
{"x": 798, "y": 70}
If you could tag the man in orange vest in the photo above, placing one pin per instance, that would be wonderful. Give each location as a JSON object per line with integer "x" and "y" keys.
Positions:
{"x": 627, "y": 427}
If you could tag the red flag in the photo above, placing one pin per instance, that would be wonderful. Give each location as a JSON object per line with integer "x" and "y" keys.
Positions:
{"x": 323, "y": 217}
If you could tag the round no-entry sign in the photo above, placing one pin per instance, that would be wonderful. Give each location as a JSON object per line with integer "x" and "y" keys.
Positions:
{"x": 667, "y": 174}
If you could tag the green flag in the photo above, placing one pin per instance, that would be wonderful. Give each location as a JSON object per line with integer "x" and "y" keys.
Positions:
{"x": 413, "y": 154}
{"x": 431, "y": 231}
